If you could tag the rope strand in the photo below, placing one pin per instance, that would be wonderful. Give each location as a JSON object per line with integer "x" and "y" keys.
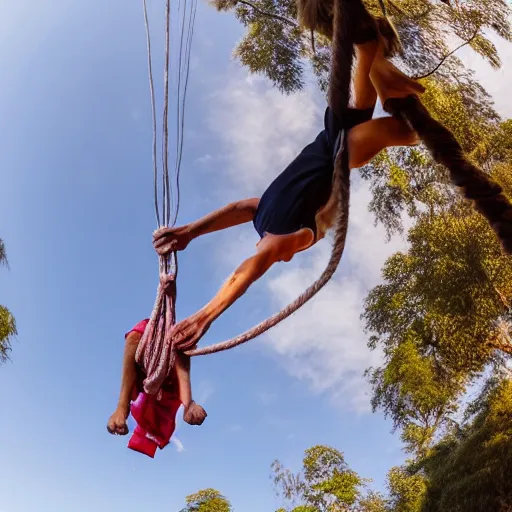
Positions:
{"x": 153, "y": 112}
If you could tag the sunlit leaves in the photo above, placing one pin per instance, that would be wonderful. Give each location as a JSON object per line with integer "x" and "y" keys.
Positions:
{"x": 470, "y": 469}
{"x": 7, "y": 322}
{"x": 406, "y": 491}
{"x": 207, "y": 500}
{"x": 325, "y": 484}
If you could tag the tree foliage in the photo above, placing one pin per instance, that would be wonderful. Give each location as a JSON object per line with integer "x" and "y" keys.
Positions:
{"x": 443, "y": 312}
{"x": 406, "y": 490}
{"x": 7, "y": 322}
{"x": 276, "y": 47}
{"x": 325, "y": 484}
{"x": 470, "y": 468}
{"x": 207, "y": 500}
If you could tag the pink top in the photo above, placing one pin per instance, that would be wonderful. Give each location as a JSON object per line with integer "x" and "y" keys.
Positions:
{"x": 155, "y": 414}
{"x": 140, "y": 327}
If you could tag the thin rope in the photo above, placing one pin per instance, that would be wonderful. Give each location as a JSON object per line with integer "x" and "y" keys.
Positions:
{"x": 165, "y": 125}
{"x": 183, "y": 96}
{"x": 153, "y": 112}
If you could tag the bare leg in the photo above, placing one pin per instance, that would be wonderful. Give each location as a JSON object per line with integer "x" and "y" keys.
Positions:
{"x": 365, "y": 95}
{"x": 367, "y": 139}
{"x": 117, "y": 422}
{"x": 389, "y": 81}
{"x": 193, "y": 414}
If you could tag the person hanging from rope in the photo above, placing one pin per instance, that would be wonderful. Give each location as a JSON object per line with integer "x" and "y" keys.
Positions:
{"x": 299, "y": 206}
{"x": 177, "y": 388}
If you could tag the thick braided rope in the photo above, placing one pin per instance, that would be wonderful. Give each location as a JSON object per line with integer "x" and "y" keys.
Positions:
{"x": 155, "y": 352}
{"x": 339, "y": 95}
{"x": 474, "y": 184}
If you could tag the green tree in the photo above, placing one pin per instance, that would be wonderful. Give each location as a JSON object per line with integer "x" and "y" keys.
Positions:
{"x": 325, "y": 484}
{"x": 443, "y": 313}
{"x": 470, "y": 468}
{"x": 7, "y": 322}
{"x": 406, "y": 490}
{"x": 207, "y": 500}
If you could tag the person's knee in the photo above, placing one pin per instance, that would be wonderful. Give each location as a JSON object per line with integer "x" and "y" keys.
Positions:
{"x": 284, "y": 247}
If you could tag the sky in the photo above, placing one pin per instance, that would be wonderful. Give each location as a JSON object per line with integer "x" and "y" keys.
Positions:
{"x": 76, "y": 214}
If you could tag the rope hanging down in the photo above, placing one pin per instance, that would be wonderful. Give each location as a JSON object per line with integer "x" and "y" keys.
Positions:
{"x": 155, "y": 352}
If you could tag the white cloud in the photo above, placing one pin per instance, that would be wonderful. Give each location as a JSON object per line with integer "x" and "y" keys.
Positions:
{"x": 260, "y": 129}
{"x": 323, "y": 343}
{"x": 178, "y": 444}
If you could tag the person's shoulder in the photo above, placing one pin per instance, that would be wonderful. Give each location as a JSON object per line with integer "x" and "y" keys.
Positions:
{"x": 140, "y": 327}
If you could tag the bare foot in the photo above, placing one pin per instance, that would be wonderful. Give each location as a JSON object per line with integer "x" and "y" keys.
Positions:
{"x": 390, "y": 82}
{"x": 117, "y": 422}
{"x": 194, "y": 414}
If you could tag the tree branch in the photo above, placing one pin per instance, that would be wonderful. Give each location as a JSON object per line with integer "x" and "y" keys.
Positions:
{"x": 448, "y": 55}
{"x": 267, "y": 14}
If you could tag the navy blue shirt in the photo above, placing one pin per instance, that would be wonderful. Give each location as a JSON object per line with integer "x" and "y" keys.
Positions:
{"x": 293, "y": 199}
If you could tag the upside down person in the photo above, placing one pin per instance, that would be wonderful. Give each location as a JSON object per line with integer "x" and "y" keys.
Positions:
{"x": 299, "y": 206}
{"x": 176, "y": 390}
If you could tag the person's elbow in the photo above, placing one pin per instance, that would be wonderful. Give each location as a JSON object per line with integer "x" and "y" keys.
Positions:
{"x": 133, "y": 339}
{"x": 249, "y": 206}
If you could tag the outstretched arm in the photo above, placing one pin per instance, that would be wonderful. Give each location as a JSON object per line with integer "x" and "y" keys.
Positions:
{"x": 272, "y": 248}
{"x": 166, "y": 240}
{"x": 188, "y": 332}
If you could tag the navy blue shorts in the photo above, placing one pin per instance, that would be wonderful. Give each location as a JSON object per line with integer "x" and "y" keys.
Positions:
{"x": 293, "y": 199}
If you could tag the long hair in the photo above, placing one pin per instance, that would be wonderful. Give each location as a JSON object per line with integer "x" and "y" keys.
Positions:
{"x": 318, "y": 15}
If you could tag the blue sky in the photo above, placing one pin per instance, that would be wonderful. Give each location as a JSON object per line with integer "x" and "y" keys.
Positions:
{"x": 76, "y": 215}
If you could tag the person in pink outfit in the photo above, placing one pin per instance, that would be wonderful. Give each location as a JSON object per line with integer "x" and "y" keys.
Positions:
{"x": 155, "y": 415}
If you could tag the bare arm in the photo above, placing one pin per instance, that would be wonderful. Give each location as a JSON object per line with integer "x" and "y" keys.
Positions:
{"x": 166, "y": 240}
{"x": 230, "y": 215}
{"x": 239, "y": 282}
{"x": 188, "y": 332}
{"x": 117, "y": 422}
{"x": 129, "y": 375}
{"x": 271, "y": 249}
